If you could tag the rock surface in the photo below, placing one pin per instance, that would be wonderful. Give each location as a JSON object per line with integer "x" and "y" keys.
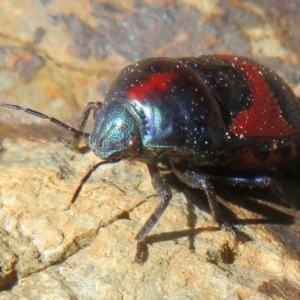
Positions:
{"x": 56, "y": 56}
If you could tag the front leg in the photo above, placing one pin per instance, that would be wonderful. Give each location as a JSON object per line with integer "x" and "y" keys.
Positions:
{"x": 74, "y": 144}
{"x": 163, "y": 190}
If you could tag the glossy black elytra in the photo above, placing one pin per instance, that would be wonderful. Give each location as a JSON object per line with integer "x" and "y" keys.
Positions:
{"x": 198, "y": 116}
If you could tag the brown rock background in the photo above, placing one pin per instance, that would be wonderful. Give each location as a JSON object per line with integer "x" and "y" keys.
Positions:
{"x": 55, "y": 56}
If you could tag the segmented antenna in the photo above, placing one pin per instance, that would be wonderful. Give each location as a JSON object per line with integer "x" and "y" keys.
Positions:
{"x": 43, "y": 116}
{"x": 78, "y": 133}
{"x": 88, "y": 175}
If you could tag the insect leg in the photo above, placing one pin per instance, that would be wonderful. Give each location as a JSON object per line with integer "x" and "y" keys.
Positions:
{"x": 163, "y": 190}
{"x": 202, "y": 181}
{"x": 256, "y": 182}
{"x": 260, "y": 182}
{"x": 74, "y": 143}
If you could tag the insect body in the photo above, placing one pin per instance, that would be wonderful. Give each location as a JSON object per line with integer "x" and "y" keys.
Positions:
{"x": 198, "y": 116}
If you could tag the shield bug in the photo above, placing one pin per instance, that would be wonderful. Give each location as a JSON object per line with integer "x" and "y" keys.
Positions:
{"x": 198, "y": 116}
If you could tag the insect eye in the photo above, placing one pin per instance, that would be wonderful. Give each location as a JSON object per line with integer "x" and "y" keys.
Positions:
{"x": 133, "y": 147}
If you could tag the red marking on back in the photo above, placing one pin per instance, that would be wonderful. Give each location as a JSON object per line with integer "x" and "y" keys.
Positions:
{"x": 153, "y": 83}
{"x": 264, "y": 117}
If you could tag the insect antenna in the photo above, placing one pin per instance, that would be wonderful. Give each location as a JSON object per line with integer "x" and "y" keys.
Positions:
{"x": 88, "y": 175}
{"x": 43, "y": 116}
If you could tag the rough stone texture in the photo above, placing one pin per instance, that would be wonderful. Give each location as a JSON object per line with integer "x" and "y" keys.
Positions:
{"x": 55, "y": 56}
